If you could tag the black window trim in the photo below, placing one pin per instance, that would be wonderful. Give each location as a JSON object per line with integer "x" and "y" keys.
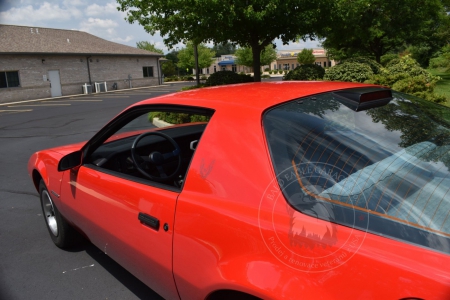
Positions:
{"x": 116, "y": 123}
{"x": 6, "y": 79}
{"x": 145, "y": 70}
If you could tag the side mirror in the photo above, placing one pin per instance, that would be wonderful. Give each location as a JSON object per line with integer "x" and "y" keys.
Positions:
{"x": 70, "y": 161}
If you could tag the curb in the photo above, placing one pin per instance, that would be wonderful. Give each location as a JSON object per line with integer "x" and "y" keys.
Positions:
{"x": 80, "y": 95}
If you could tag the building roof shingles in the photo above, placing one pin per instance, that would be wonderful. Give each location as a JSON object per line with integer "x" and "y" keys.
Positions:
{"x": 25, "y": 39}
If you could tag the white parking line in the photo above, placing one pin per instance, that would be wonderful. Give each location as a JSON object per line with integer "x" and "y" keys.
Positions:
{"x": 56, "y": 104}
{"x": 15, "y": 110}
{"x": 74, "y": 100}
{"x": 112, "y": 96}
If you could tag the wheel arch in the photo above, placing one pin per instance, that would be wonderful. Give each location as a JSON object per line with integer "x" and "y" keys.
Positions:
{"x": 36, "y": 177}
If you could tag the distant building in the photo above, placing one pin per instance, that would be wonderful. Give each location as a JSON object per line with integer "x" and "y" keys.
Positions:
{"x": 287, "y": 59}
{"x": 42, "y": 62}
{"x": 225, "y": 63}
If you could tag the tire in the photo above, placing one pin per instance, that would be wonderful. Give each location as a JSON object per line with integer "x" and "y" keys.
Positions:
{"x": 61, "y": 232}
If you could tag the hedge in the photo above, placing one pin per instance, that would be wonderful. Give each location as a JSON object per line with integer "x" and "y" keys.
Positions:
{"x": 349, "y": 71}
{"x": 227, "y": 77}
{"x": 306, "y": 72}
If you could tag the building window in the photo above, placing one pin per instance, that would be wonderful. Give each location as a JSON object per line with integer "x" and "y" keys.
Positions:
{"x": 215, "y": 69}
{"x": 148, "y": 71}
{"x": 233, "y": 68}
{"x": 293, "y": 66}
{"x": 286, "y": 66}
{"x": 207, "y": 71}
{"x": 224, "y": 68}
{"x": 9, "y": 79}
{"x": 329, "y": 63}
{"x": 275, "y": 66}
{"x": 279, "y": 66}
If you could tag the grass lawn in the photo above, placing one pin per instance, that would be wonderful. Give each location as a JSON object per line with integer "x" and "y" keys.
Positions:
{"x": 443, "y": 85}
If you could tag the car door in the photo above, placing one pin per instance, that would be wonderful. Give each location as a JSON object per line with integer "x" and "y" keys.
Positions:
{"x": 126, "y": 206}
{"x": 129, "y": 221}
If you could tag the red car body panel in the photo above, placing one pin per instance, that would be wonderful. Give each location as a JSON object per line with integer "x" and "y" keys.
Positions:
{"x": 218, "y": 230}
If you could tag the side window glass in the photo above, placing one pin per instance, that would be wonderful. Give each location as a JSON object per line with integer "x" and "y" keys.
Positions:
{"x": 152, "y": 146}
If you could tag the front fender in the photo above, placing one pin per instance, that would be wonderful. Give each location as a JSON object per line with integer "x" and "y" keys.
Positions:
{"x": 44, "y": 165}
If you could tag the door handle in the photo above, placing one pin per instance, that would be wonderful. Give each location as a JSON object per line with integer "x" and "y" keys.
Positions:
{"x": 149, "y": 221}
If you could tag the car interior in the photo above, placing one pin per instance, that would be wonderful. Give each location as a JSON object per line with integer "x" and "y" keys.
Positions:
{"x": 148, "y": 153}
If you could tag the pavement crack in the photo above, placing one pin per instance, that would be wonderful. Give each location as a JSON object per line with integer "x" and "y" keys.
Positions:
{"x": 46, "y": 135}
{"x": 40, "y": 127}
{"x": 18, "y": 192}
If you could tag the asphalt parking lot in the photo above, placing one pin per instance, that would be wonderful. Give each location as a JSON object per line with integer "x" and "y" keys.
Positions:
{"x": 31, "y": 267}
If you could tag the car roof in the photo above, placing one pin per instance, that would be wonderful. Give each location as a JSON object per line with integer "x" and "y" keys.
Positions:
{"x": 258, "y": 95}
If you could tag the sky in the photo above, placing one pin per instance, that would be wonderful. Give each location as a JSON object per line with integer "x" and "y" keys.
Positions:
{"x": 98, "y": 17}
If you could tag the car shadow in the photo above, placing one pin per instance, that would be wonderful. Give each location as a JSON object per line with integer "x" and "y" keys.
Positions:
{"x": 133, "y": 284}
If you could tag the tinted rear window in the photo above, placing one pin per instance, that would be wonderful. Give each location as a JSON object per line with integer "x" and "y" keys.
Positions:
{"x": 390, "y": 163}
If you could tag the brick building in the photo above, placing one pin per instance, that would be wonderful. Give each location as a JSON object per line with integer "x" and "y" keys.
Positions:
{"x": 42, "y": 62}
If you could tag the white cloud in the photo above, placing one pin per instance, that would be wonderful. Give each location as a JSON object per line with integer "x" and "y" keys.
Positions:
{"x": 45, "y": 12}
{"x": 103, "y": 23}
{"x": 123, "y": 40}
{"x": 99, "y": 10}
{"x": 103, "y": 28}
{"x": 69, "y": 3}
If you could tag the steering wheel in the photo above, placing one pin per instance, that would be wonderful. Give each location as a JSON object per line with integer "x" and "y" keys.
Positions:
{"x": 156, "y": 158}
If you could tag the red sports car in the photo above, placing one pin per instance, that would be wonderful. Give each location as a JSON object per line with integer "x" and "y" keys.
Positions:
{"x": 279, "y": 190}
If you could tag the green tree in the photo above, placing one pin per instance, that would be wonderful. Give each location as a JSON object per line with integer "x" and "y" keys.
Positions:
{"x": 173, "y": 56}
{"x": 306, "y": 57}
{"x": 244, "y": 56}
{"x": 168, "y": 68}
{"x": 376, "y": 27}
{"x": 224, "y": 49}
{"x": 186, "y": 57}
{"x": 149, "y": 47}
{"x": 253, "y": 24}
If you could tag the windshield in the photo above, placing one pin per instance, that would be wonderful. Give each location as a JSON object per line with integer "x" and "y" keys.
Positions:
{"x": 391, "y": 163}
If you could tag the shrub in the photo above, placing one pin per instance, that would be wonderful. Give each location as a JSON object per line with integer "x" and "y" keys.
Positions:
{"x": 265, "y": 76}
{"x": 306, "y": 72}
{"x": 227, "y": 77}
{"x": 408, "y": 65}
{"x": 374, "y": 66}
{"x": 385, "y": 59}
{"x": 177, "y": 118}
{"x": 349, "y": 71}
{"x": 266, "y": 70}
{"x": 405, "y": 75}
{"x": 439, "y": 62}
{"x": 192, "y": 87}
{"x": 203, "y": 77}
{"x": 280, "y": 71}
